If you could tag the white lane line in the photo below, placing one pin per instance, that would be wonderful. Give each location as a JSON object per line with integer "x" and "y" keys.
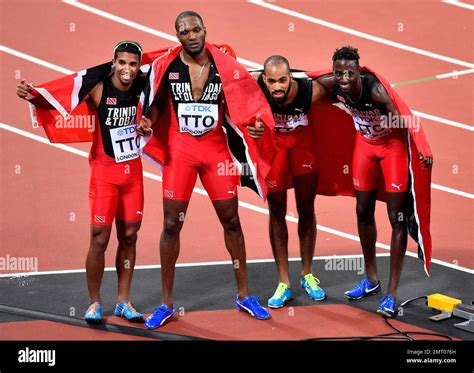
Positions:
{"x": 246, "y": 62}
{"x": 197, "y": 190}
{"x": 185, "y": 265}
{"x": 459, "y": 4}
{"x": 63, "y": 70}
{"x": 206, "y": 264}
{"x": 453, "y": 191}
{"x": 140, "y": 27}
{"x": 203, "y": 192}
{"x": 43, "y": 140}
{"x": 35, "y": 60}
{"x": 172, "y": 38}
{"x": 454, "y": 74}
{"x": 360, "y": 34}
{"x": 448, "y": 122}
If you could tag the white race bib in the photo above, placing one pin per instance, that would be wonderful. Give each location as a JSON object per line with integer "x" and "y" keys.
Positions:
{"x": 196, "y": 118}
{"x": 371, "y": 127}
{"x": 125, "y": 142}
{"x": 285, "y": 123}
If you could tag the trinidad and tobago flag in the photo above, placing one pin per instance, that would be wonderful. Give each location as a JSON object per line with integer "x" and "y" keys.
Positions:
{"x": 335, "y": 133}
{"x": 66, "y": 95}
{"x": 244, "y": 100}
{"x": 333, "y": 129}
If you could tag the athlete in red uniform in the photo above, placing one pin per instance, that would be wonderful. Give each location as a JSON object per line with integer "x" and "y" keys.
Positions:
{"x": 295, "y": 164}
{"x": 380, "y": 148}
{"x": 116, "y": 182}
{"x": 197, "y": 144}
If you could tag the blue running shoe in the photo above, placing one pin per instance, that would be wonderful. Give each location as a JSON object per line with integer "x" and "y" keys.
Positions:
{"x": 280, "y": 297}
{"x": 125, "y": 309}
{"x": 252, "y": 306}
{"x": 363, "y": 288}
{"x": 310, "y": 284}
{"x": 387, "y": 306}
{"x": 158, "y": 318}
{"x": 94, "y": 313}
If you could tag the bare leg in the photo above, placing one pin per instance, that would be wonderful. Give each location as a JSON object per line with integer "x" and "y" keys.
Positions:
{"x": 305, "y": 193}
{"x": 125, "y": 258}
{"x": 227, "y": 211}
{"x": 279, "y": 233}
{"x": 398, "y": 244}
{"x": 95, "y": 261}
{"x": 365, "y": 210}
{"x": 174, "y": 213}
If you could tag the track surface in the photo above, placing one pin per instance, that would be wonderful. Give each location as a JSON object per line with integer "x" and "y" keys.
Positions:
{"x": 44, "y": 189}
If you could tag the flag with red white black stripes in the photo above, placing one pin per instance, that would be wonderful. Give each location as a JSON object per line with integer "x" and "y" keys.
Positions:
{"x": 334, "y": 133}
{"x": 71, "y": 119}
{"x": 243, "y": 102}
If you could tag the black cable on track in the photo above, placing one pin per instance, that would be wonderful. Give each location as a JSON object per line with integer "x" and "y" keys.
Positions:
{"x": 112, "y": 328}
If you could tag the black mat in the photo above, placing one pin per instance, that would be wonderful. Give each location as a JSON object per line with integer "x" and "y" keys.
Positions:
{"x": 213, "y": 288}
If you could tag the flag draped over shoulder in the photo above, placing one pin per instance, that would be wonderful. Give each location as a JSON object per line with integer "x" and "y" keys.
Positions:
{"x": 72, "y": 119}
{"x": 244, "y": 100}
{"x": 333, "y": 129}
{"x": 335, "y": 133}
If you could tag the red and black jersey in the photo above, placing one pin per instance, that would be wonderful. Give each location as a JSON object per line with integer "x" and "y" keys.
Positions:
{"x": 294, "y": 115}
{"x": 370, "y": 118}
{"x": 194, "y": 118}
{"x": 117, "y": 109}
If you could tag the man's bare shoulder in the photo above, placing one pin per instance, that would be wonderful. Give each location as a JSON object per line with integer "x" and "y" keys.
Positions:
{"x": 379, "y": 94}
{"x": 95, "y": 94}
{"x": 327, "y": 81}
{"x": 98, "y": 88}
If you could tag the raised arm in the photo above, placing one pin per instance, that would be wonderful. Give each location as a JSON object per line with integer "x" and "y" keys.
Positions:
{"x": 23, "y": 90}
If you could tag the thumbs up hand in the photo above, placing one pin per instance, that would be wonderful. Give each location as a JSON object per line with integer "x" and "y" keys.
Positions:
{"x": 256, "y": 131}
{"x": 24, "y": 89}
{"x": 144, "y": 126}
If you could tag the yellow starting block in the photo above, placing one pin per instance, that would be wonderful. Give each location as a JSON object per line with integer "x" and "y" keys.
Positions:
{"x": 452, "y": 307}
{"x": 442, "y": 302}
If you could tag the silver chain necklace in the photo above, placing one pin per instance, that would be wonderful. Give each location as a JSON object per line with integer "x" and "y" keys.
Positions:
{"x": 200, "y": 71}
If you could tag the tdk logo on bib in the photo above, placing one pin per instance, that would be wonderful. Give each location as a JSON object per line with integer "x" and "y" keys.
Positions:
{"x": 196, "y": 118}
{"x": 125, "y": 142}
{"x": 126, "y": 131}
{"x": 198, "y": 108}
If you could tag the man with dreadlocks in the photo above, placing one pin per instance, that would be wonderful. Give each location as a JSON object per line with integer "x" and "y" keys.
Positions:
{"x": 116, "y": 182}
{"x": 380, "y": 147}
